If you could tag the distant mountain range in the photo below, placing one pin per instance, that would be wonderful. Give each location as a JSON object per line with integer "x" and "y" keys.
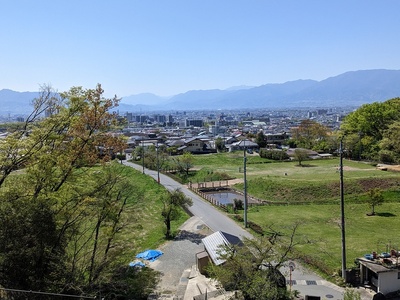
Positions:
{"x": 348, "y": 89}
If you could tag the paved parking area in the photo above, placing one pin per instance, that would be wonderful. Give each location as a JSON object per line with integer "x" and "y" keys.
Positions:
{"x": 179, "y": 257}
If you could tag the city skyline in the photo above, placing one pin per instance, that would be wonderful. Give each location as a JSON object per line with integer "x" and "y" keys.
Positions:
{"x": 170, "y": 47}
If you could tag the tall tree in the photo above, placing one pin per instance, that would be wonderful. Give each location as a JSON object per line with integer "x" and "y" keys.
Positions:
{"x": 46, "y": 206}
{"x": 300, "y": 155}
{"x": 184, "y": 162}
{"x": 220, "y": 144}
{"x": 173, "y": 202}
{"x": 367, "y": 125}
{"x": 390, "y": 144}
{"x": 17, "y": 149}
{"x": 309, "y": 133}
{"x": 374, "y": 199}
{"x": 260, "y": 139}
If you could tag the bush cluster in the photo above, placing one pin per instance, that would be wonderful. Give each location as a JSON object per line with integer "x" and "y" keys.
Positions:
{"x": 255, "y": 227}
{"x": 274, "y": 154}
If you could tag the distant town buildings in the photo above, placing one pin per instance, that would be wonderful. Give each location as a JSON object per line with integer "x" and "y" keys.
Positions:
{"x": 197, "y": 131}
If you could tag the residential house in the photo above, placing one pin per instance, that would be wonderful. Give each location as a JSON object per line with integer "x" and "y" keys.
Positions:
{"x": 276, "y": 138}
{"x": 197, "y": 145}
{"x": 242, "y": 145}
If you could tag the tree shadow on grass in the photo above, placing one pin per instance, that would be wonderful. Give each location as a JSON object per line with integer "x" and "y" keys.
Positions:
{"x": 385, "y": 214}
{"x": 306, "y": 165}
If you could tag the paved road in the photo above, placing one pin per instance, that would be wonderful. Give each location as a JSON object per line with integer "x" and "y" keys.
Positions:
{"x": 211, "y": 217}
{"x": 304, "y": 280}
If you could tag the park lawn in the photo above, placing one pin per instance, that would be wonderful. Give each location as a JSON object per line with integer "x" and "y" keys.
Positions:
{"x": 320, "y": 234}
{"x": 318, "y": 181}
{"x": 311, "y": 170}
{"x": 227, "y": 162}
{"x": 316, "y": 185}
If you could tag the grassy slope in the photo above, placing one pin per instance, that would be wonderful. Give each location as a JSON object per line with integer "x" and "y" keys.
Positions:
{"x": 144, "y": 224}
{"x": 320, "y": 232}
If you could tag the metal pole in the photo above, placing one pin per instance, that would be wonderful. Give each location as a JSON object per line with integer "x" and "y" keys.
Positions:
{"x": 342, "y": 212}
{"x": 245, "y": 185}
{"x": 143, "y": 155}
{"x": 158, "y": 165}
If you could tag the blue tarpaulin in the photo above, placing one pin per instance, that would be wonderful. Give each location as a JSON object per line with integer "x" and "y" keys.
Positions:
{"x": 136, "y": 263}
{"x": 150, "y": 255}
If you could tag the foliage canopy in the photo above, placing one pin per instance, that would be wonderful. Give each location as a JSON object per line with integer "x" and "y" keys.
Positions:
{"x": 61, "y": 212}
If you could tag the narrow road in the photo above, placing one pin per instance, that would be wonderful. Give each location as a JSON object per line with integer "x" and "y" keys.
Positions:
{"x": 212, "y": 218}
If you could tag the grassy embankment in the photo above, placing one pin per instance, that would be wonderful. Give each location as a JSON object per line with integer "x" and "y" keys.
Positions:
{"x": 312, "y": 199}
{"x": 144, "y": 227}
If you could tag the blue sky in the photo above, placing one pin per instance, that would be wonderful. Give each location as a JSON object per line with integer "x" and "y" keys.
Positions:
{"x": 168, "y": 47}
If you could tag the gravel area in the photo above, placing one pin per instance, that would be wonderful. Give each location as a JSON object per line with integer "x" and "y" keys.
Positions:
{"x": 180, "y": 255}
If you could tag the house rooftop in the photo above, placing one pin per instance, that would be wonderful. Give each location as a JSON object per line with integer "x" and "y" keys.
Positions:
{"x": 215, "y": 241}
{"x": 382, "y": 263}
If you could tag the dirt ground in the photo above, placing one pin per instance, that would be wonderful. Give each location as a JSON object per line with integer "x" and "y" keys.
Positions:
{"x": 395, "y": 168}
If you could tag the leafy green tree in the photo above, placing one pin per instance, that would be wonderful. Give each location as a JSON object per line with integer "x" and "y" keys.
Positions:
{"x": 309, "y": 134}
{"x": 111, "y": 192}
{"x": 184, "y": 162}
{"x": 375, "y": 198}
{"x": 300, "y": 155}
{"x": 129, "y": 283}
{"x": 173, "y": 202}
{"x": 274, "y": 154}
{"x": 260, "y": 139}
{"x": 253, "y": 268}
{"x": 367, "y": 124}
{"x": 16, "y": 150}
{"x": 29, "y": 256}
{"x": 220, "y": 144}
{"x": 237, "y": 204}
{"x": 390, "y": 144}
{"x": 59, "y": 219}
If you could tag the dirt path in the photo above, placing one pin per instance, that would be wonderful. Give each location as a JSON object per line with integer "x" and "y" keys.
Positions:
{"x": 209, "y": 184}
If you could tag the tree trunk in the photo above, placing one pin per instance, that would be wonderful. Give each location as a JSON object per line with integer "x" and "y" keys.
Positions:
{"x": 168, "y": 224}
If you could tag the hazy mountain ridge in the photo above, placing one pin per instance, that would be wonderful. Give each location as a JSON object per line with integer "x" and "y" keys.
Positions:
{"x": 12, "y": 102}
{"x": 352, "y": 88}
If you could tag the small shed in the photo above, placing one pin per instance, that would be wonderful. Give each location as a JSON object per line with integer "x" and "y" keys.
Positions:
{"x": 212, "y": 249}
{"x": 382, "y": 277}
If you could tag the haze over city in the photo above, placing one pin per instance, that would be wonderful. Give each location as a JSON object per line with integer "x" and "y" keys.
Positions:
{"x": 170, "y": 47}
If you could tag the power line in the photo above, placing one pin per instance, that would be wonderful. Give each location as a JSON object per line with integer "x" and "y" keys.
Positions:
{"x": 48, "y": 294}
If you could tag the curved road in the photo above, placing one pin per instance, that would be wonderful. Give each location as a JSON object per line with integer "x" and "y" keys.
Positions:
{"x": 212, "y": 218}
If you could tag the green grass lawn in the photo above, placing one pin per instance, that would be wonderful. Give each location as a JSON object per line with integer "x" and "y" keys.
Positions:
{"x": 320, "y": 233}
{"x": 312, "y": 196}
{"x": 312, "y": 170}
{"x": 287, "y": 182}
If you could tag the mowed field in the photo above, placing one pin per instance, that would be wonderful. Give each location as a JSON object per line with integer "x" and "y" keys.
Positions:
{"x": 309, "y": 196}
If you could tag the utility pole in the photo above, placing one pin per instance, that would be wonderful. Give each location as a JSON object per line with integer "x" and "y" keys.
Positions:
{"x": 244, "y": 185}
{"x": 342, "y": 212}
{"x": 143, "y": 154}
{"x": 158, "y": 165}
